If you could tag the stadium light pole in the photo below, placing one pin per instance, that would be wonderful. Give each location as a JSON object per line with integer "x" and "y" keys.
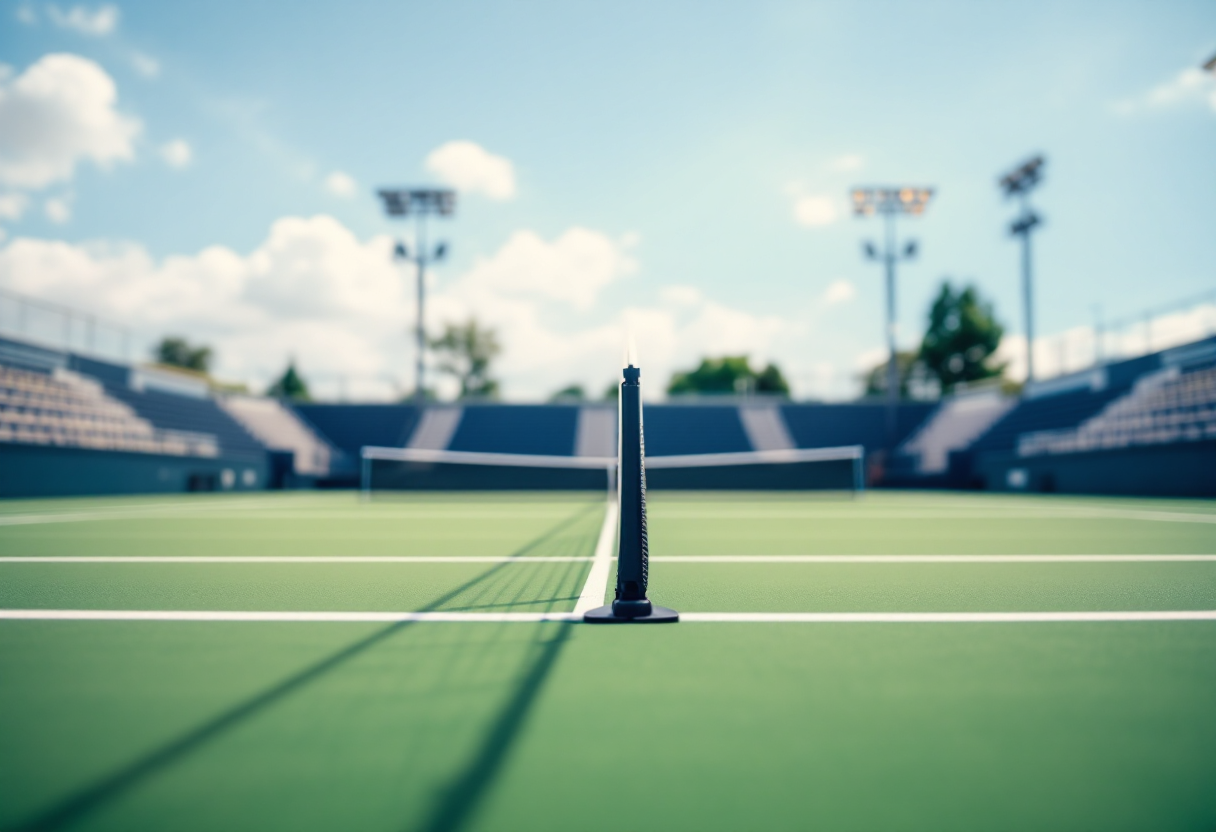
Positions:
{"x": 889, "y": 203}
{"x": 421, "y": 203}
{"x": 1018, "y": 184}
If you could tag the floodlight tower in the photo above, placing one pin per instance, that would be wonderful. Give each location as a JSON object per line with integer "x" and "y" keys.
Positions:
{"x": 1019, "y": 183}
{"x": 421, "y": 203}
{"x": 889, "y": 203}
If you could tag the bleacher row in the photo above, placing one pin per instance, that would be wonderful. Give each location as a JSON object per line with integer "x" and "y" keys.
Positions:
{"x": 74, "y": 401}
{"x": 1168, "y": 406}
{"x": 70, "y": 411}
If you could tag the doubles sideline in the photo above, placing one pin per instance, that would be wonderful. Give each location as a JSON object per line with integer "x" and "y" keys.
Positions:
{"x": 688, "y": 617}
{"x": 602, "y": 559}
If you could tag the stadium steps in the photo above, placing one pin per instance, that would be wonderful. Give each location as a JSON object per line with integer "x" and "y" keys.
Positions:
{"x": 953, "y": 426}
{"x": 279, "y": 428}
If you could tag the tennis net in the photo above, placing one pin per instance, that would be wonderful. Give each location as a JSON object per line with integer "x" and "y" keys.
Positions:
{"x": 415, "y": 469}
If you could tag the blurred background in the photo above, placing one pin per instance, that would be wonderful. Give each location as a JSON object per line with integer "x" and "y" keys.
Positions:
{"x": 202, "y": 195}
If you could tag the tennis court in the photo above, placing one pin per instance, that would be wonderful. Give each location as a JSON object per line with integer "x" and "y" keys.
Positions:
{"x": 895, "y": 661}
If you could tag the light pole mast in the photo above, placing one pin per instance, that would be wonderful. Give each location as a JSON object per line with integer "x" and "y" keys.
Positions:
{"x": 891, "y": 202}
{"x": 1019, "y": 183}
{"x": 421, "y": 202}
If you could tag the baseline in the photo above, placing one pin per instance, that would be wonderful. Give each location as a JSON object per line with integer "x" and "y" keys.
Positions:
{"x": 691, "y": 617}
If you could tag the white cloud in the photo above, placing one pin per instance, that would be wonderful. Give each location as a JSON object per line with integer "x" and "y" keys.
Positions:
{"x": 846, "y": 163}
{"x": 145, "y": 65}
{"x": 1190, "y": 86}
{"x": 839, "y": 291}
{"x": 339, "y": 304}
{"x": 571, "y": 270}
{"x": 815, "y": 211}
{"x": 98, "y": 22}
{"x": 341, "y": 185}
{"x": 57, "y": 113}
{"x": 469, "y": 167}
{"x": 13, "y": 205}
{"x": 177, "y": 153}
{"x": 58, "y": 210}
{"x": 681, "y": 295}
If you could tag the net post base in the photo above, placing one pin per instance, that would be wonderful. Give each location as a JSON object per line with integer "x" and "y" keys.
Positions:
{"x": 606, "y": 615}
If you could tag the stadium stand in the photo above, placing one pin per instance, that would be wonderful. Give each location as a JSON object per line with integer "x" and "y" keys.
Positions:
{"x": 833, "y": 425}
{"x": 1143, "y": 426}
{"x": 676, "y": 429}
{"x": 953, "y": 426}
{"x": 1166, "y": 406}
{"x": 278, "y": 427}
{"x": 348, "y": 427}
{"x": 517, "y": 429}
{"x": 68, "y": 410}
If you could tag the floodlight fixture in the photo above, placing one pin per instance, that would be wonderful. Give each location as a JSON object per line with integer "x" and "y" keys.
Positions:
{"x": 868, "y": 201}
{"x": 1018, "y": 183}
{"x": 419, "y": 203}
{"x": 890, "y": 202}
{"x": 1021, "y": 180}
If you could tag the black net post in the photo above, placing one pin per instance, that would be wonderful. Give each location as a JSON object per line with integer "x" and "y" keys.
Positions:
{"x": 632, "y": 569}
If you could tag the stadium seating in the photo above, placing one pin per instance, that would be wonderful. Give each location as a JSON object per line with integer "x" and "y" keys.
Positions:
{"x": 517, "y": 429}
{"x": 833, "y": 425}
{"x": 677, "y": 429}
{"x": 953, "y": 426}
{"x": 68, "y": 410}
{"x": 181, "y": 413}
{"x": 1167, "y": 406}
{"x": 351, "y": 426}
{"x": 277, "y": 427}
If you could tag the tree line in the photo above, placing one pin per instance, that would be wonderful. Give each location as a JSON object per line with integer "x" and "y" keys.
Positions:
{"x": 961, "y": 337}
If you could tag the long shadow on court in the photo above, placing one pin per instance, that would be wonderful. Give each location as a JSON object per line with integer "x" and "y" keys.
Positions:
{"x": 103, "y": 791}
{"x": 458, "y": 802}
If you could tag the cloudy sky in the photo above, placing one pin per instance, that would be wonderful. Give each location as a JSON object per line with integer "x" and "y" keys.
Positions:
{"x": 678, "y": 170}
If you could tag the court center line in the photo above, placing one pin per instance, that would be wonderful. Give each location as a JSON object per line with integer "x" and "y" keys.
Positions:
{"x": 602, "y": 564}
{"x": 689, "y": 617}
{"x": 596, "y": 585}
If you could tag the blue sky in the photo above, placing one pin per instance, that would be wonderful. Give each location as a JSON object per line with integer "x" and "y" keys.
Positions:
{"x": 699, "y": 153}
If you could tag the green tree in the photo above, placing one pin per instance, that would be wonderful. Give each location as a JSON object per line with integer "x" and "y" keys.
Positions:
{"x": 569, "y": 393}
{"x": 875, "y": 378}
{"x": 466, "y": 351}
{"x": 729, "y": 375}
{"x": 178, "y": 352}
{"x": 291, "y": 385}
{"x": 962, "y": 336}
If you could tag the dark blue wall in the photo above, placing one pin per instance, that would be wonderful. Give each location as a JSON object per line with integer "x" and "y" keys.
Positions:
{"x": 1180, "y": 469}
{"x": 51, "y": 471}
{"x": 674, "y": 429}
{"x": 834, "y": 425}
{"x": 351, "y": 426}
{"x": 517, "y": 429}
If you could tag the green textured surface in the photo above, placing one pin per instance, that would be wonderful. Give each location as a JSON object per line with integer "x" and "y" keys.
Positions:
{"x": 227, "y": 726}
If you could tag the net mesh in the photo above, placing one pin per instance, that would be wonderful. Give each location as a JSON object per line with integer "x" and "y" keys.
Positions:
{"x": 411, "y": 469}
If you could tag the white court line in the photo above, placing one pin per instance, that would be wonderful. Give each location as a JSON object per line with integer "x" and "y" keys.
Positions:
{"x": 240, "y": 559}
{"x": 596, "y": 585}
{"x": 690, "y": 617}
{"x": 602, "y": 566}
{"x": 928, "y": 558}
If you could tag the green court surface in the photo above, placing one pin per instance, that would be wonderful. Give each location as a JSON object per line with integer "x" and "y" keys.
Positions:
{"x": 525, "y": 725}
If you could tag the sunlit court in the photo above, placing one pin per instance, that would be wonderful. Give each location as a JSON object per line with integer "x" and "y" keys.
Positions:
{"x": 415, "y": 663}
{"x": 623, "y": 417}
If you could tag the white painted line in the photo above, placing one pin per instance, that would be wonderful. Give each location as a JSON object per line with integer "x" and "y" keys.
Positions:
{"x": 862, "y": 514}
{"x": 944, "y": 617}
{"x": 929, "y": 558}
{"x": 691, "y": 617}
{"x": 240, "y": 559}
{"x": 596, "y": 585}
{"x": 208, "y": 615}
{"x": 604, "y": 566}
